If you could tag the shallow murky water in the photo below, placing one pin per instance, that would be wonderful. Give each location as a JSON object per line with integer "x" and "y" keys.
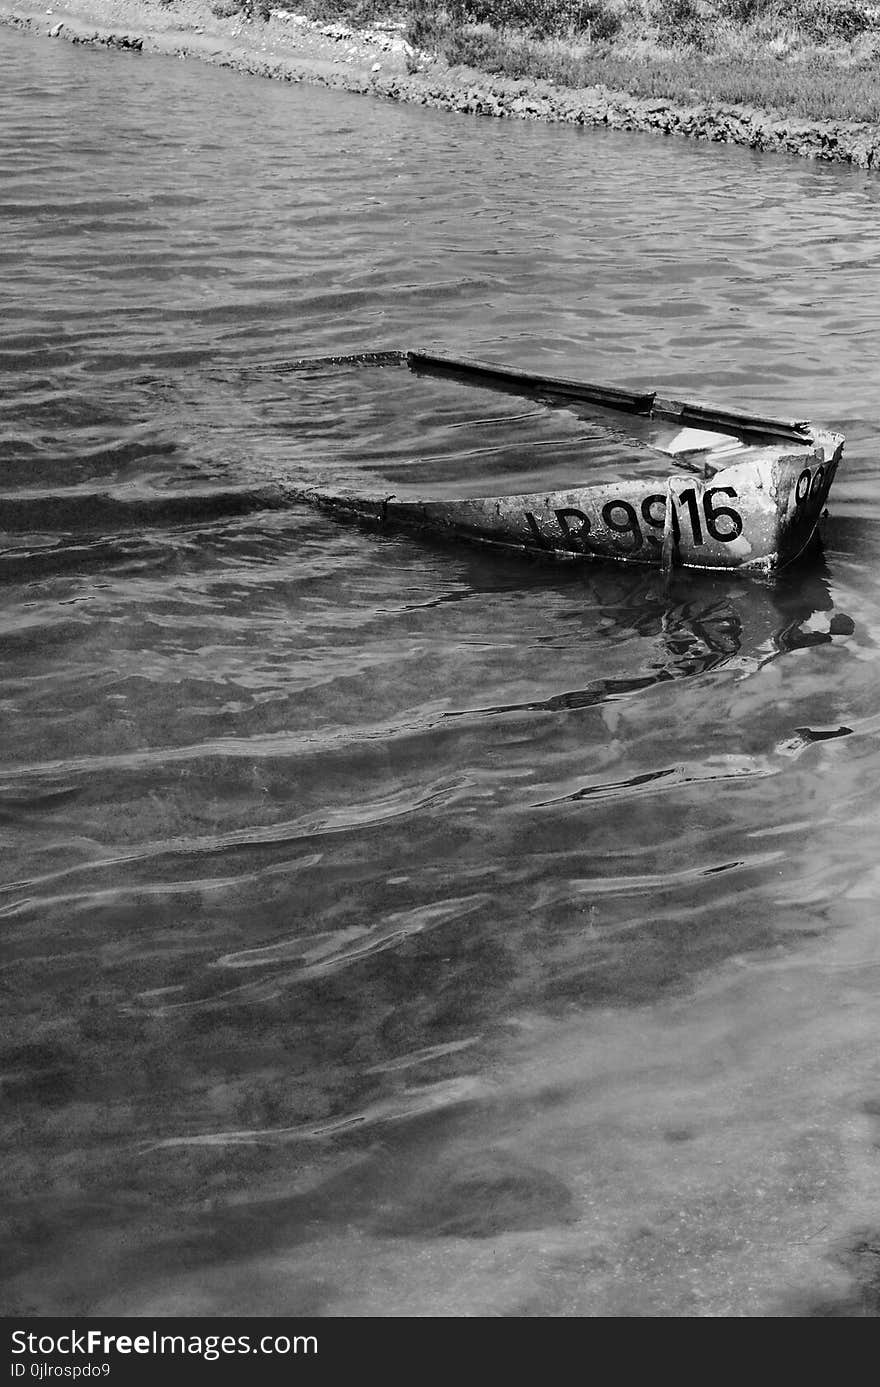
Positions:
{"x": 390, "y": 929}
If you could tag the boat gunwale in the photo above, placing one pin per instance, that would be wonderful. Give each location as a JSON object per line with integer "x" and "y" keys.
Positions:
{"x": 647, "y": 403}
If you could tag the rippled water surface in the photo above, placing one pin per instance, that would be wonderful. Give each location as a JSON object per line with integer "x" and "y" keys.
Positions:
{"x": 389, "y": 929}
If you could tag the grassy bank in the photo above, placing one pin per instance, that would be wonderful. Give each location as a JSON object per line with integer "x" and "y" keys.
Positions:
{"x": 815, "y": 60}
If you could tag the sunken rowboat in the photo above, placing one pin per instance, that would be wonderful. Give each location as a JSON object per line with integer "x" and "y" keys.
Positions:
{"x": 682, "y": 483}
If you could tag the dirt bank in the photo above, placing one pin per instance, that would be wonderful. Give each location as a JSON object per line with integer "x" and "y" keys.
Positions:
{"x": 379, "y": 62}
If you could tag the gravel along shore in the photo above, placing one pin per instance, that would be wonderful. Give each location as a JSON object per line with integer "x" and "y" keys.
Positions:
{"x": 379, "y": 62}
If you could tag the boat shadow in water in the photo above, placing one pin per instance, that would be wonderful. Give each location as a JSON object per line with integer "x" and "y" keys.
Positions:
{"x": 694, "y": 624}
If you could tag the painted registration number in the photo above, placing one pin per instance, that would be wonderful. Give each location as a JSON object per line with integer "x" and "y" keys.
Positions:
{"x": 698, "y": 518}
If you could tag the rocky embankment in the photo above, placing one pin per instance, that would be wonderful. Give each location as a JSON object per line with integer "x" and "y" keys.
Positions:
{"x": 380, "y": 63}
{"x": 467, "y": 91}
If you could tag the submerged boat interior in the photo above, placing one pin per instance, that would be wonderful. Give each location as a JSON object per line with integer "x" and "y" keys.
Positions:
{"x": 419, "y": 422}
{"x": 698, "y": 437}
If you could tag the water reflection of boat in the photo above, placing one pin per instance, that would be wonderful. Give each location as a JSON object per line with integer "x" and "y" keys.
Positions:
{"x": 702, "y": 623}
{"x": 671, "y": 482}
{"x": 694, "y": 623}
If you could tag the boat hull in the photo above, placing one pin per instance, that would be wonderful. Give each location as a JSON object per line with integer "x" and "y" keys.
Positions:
{"x": 756, "y": 516}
